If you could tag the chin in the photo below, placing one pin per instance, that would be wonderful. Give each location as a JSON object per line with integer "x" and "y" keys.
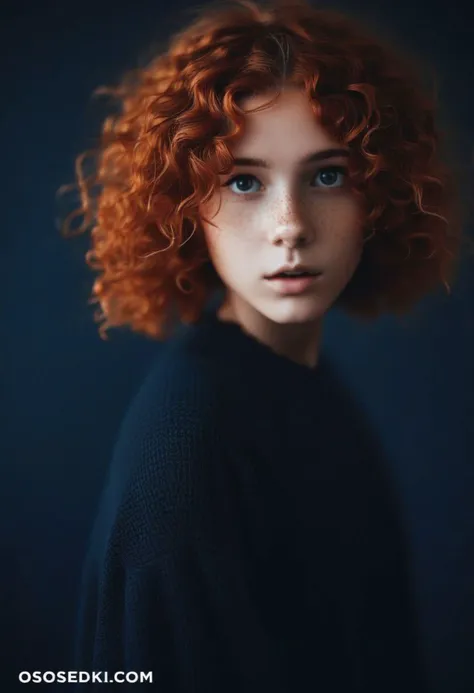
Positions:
{"x": 294, "y": 311}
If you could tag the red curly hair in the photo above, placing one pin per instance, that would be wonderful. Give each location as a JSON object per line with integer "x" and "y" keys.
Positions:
{"x": 160, "y": 157}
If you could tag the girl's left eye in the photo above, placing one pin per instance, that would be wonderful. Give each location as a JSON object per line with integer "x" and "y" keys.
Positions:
{"x": 328, "y": 181}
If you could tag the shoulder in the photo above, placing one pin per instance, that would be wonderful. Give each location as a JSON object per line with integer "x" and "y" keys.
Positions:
{"x": 172, "y": 435}
{"x": 179, "y": 382}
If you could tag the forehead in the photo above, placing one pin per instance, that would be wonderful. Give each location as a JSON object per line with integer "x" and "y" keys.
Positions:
{"x": 289, "y": 126}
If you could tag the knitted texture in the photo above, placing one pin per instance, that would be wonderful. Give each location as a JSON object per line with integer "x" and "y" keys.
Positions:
{"x": 247, "y": 537}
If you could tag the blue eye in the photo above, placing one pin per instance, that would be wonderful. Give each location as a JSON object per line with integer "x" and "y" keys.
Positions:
{"x": 246, "y": 177}
{"x": 333, "y": 171}
{"x": 336, "y": 173}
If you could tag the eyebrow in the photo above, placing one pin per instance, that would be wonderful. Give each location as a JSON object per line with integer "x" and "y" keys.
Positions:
{"x": 317, "y": 156}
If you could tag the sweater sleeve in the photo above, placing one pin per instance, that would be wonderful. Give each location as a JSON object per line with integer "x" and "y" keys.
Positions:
{"x": 187, "y": 622}
{"x": 165, "y": 589}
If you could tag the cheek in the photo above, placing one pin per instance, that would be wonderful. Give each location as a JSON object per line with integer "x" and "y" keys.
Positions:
{"x": 233, "y": 234}
{"x": 342, "y": 232}
{"x": 224, "y": 249}
{"x": 347, "y": 249}
{"x": 347, "y": 238}
{"x": 342, "y": 224}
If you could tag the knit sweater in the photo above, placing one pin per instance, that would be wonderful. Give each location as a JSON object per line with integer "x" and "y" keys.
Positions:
{"x": 248, "y": 538}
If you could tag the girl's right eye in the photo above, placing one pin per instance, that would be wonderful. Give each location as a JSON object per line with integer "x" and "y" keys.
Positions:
{"x": 245, "y": 177}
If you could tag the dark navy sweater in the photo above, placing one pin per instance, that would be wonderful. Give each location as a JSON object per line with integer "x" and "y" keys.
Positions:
{"x": 248, "y": 538}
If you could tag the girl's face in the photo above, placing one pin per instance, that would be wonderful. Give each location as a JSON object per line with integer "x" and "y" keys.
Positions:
{"x": 282, "y": 210}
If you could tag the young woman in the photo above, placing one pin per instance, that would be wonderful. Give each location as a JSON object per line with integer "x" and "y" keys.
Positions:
{"x": 248, "y": 536}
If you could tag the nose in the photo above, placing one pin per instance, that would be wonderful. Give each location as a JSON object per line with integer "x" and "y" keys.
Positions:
{"x": 289, "y": 229}
{"x": 291, "y": 236}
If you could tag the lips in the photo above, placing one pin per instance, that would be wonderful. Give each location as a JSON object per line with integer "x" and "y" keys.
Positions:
{"x": 283, "y": 275}
{"x": 293, "y": 270}
{"x": 293, "y": 285}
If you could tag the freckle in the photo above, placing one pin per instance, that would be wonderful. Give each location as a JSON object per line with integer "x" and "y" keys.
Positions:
{"x": 284, "y": 203}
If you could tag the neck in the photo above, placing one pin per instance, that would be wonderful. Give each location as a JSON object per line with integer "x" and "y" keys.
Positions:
{"x": 298, "y": 342}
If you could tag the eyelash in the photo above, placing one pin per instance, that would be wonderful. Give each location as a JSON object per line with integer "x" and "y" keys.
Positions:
{"x": 338, "y": 169}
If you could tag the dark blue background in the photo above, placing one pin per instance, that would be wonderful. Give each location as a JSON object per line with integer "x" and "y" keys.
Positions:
{"x": 66, "y": 390}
